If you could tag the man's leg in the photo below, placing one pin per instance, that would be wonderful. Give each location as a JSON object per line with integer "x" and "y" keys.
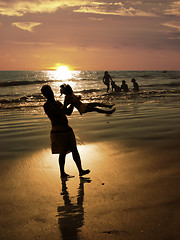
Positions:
{"x": 77, "y": 160}
{"x": 62, "y": 157}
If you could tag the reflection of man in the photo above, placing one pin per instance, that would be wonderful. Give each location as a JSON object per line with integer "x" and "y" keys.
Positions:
{"x": 71, "y": 216}
{"x": 63, "y": 139}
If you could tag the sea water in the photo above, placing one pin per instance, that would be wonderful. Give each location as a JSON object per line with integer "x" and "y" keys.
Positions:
{"x": 22, "y": 89}
{"x": 23, "y": 122}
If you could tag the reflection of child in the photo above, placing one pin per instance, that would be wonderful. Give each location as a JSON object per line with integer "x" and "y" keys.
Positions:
{"x": 70, "y": 98}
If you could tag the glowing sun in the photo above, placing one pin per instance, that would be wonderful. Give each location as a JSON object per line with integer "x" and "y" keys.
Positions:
{"x": 63, "y": 72}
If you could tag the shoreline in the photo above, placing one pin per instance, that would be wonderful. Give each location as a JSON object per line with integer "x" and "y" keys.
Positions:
{"x": 129, "y": 194}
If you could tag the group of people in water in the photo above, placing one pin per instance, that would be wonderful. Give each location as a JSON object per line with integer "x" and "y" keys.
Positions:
{"x": 107, "y": 79}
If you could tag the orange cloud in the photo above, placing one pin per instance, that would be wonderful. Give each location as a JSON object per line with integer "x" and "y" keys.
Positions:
{"x": 174, "y": 25}
{"x": 28, "y": 26}
{"x": 174, "y": 9}
{"x": 21, "y": 7}
{"x": 119, "y": 10}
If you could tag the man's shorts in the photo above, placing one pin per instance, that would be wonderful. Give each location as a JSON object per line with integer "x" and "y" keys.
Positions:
{"x": 62, "y": 140}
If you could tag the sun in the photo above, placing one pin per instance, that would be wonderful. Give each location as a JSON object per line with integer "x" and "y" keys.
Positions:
{"x": 62, "y": 69}
{"x": 63, "y": 72}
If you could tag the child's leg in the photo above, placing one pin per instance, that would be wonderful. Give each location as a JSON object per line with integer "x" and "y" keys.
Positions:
{"x": 94, "y": 109}
{"x": 96, "y": 104}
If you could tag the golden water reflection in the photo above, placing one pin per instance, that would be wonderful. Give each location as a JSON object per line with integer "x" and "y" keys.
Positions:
{"x": 59, "y": 78}
{"x": 63, "y": 76}
{"x": 71, "y": 215}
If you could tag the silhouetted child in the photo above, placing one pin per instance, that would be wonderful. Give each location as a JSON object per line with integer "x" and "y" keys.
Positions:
{"x": 70, "y": 98}
{"x": 115, "y": 87}
{"x": 135, "y": 85}
{"x": 124, "y": 86}
{"x": 106, "y": 79}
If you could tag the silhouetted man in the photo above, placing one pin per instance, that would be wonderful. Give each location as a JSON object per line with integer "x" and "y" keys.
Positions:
{"x": 63, "y": 139}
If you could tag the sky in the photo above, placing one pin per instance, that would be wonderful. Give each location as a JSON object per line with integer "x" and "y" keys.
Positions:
{"x": 90, "y": 35}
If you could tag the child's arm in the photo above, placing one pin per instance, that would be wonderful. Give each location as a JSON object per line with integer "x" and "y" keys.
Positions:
{"x": 66, "y": 101}
{"x": 78, "y": 97}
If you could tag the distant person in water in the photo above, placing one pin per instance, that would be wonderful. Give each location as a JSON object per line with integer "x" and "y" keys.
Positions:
{"x": 135, "y": 85}
{"x": 62, "y": 136}
{"x": 70, "y": 98}
{"x": 106, "y": 79}
{"x": 115, "y": 87}
{"x": 124, "y": 86}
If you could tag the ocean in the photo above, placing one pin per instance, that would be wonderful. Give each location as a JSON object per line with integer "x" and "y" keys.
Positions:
{"x": 19, "y": 89}
{"x": 23, "y": 118}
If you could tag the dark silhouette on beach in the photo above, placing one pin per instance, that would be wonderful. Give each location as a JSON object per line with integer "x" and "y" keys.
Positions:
{"x": 63, "y": 139}
{"x": 135, "y": 85}
{"x": 115, "y": 87}
{"x": 124, "y": 86}
{"x": 106, "y": 79}
{"x": 71, "y": 98}
{"x": 71, "y": 215}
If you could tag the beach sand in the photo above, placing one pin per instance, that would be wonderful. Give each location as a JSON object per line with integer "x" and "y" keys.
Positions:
{"x": 131, "y": 193}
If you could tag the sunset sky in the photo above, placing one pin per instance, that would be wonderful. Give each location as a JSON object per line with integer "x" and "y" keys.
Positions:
{"x": 90, "y": 35}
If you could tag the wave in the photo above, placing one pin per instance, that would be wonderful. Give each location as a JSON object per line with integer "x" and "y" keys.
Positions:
{"x": 21, "y": 107}
{"x": 19, "y": 83}
{"x": 172, "y": 84}
{"x": 38, "y": 100}
{"x": 146, "y": 76}
{"x": 29, "y": 98}
{"x": 22, "y": 83}
{"x": 86, "y": 91}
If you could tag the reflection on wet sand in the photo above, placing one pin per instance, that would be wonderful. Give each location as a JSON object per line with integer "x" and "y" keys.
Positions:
{"x": 71, "y": 216}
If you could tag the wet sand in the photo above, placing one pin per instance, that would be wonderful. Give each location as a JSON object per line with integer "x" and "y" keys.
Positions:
{"x": 131, "y": 193}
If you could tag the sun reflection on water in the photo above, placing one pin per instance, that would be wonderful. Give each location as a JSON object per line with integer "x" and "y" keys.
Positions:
{"x": 63, "y": 75}
{"x": 60, "y": 77}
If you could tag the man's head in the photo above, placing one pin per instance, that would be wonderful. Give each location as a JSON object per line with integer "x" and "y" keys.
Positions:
{"x": 47, "y": 92}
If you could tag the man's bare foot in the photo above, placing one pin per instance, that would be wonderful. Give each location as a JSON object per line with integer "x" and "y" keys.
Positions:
{"x": 65, "y": 175}
{"x": 84, "y": 172}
